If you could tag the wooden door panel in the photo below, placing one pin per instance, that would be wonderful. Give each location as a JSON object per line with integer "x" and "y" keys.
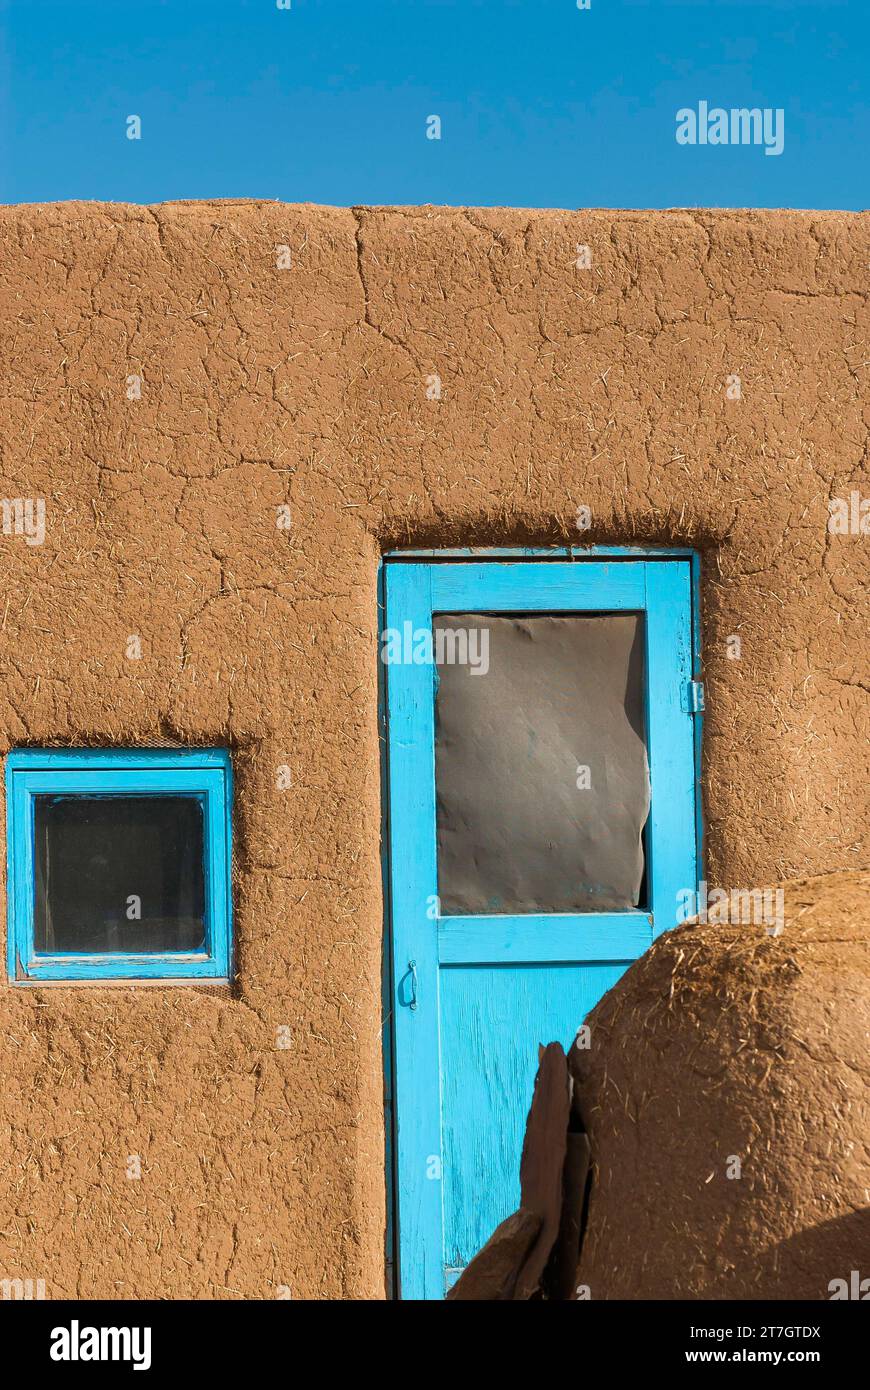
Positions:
{"x": 471, "y": 997}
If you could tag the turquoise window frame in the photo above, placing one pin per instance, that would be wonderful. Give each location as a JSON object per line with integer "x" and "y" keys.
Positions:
{"x": 663, "y": 585}
{"x": 202, "y": 773}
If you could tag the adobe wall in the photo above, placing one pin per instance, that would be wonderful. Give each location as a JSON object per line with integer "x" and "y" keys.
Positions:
{"x": 561, "y": 387}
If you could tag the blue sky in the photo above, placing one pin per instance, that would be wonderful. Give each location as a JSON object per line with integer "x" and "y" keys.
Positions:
{"x": 541, "y": 104}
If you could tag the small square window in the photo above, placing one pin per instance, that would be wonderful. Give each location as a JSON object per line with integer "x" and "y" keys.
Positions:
{"x": 118, "y": 864}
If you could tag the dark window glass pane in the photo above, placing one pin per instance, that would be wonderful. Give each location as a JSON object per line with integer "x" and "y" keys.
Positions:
{"x": 101, "y": 860}
{"x": 540, "y": 763}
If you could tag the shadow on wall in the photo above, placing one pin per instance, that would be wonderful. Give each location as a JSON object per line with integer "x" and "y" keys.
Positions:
{"x": 838, "y": 1252}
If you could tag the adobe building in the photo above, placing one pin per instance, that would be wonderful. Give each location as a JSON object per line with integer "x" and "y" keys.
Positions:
{"x": 245, "y": 442}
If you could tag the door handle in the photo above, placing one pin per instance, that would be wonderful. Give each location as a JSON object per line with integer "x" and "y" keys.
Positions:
{"x": 412, "y": 971}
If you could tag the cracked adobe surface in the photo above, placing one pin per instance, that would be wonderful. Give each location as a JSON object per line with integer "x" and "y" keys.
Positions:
{"x": 307, "y": 386}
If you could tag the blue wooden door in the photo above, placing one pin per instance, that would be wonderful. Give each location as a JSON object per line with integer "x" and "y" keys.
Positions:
{"x": 473, "y": 994}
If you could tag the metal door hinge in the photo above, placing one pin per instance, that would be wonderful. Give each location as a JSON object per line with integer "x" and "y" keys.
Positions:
{"x": 693, "y": 697}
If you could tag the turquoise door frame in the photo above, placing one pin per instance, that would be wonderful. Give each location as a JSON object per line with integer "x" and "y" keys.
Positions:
{"x": 471, "y": 997}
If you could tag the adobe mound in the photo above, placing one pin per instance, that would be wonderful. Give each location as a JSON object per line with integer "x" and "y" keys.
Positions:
{"x": 725, "y": 1049}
